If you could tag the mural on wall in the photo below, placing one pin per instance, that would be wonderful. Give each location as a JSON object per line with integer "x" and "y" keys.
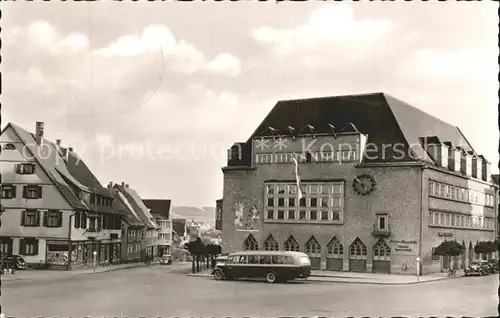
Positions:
{"x": 246, "y": 219}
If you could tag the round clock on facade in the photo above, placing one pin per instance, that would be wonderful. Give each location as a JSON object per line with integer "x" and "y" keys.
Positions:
{"x": 364, "y": 184}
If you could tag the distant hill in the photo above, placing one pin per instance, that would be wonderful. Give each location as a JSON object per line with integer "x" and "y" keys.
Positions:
{"x": 203, "y": 214}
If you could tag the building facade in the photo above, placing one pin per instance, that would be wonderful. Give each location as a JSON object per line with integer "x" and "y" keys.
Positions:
{"x": 149, "y": 235}
{"x": 380, "y": 185}
{"x": 160, "y": 210}
{"x": 57, "y": 214}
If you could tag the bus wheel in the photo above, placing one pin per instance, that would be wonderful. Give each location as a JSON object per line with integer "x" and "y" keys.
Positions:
{"x": 271, "y": 277}
{"x": 218, "y": 275}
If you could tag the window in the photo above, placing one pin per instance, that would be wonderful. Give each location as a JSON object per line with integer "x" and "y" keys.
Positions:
{"x": 335, "y": 249}
{"x": 291, "y": 244}
{"x": 281, "y": 215}
{"x": 313, "y": 248}
{"x": 250, "y": 243}
{"x": 28, "y": 246}
{"x": 8, "y": 191}
{"x": 381, "y": 251}
{"x": 241, "y": 259}
{"x": 266, "y": 259}
{"x": 291, "y": 214}
{"x": 30, "y": 218}
{"x": 277, "y": 259}
{"x": 270, "y": 214}
{"x": 382, "y": 222}
{"x": 434, "y": 257}
{"x": 9, "y": 147}
{"x": 270, "y": 244}
{"x": 32, "y": 192}
{"x": 253, "y": 259}
{"x": 431, "y": 218}
{"x": 52, "y": 218}
{"x": 336, "y": 215}
{"x": 291, "y": 202}
{"x": 25, "y": 168}
{"x": 302, "y": 215}
{"x": 324, "y": 215}
{"x": 314, "y": 215}
{"x": 357, "y": 250}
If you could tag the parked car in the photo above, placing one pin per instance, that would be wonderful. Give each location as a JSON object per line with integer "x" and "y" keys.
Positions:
{"x": 493, "y": 263}
{"x": 476, "y": 268}
{"x": 487, "y": 265}
{"x": 13, "y": 261}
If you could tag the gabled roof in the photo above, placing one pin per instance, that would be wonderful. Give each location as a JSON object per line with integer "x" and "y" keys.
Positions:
{"x": 383, "y": 118}
{"x": 136, "y": 203}
{"x": 68, "y": 173}
{"x": 158, "y": 206}
{"x": 129, "y": 215}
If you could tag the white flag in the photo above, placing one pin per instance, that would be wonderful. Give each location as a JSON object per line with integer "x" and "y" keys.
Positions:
{"x": 297, "y": 178}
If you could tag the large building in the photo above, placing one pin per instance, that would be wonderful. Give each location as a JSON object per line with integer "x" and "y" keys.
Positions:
{"x": 53, "y": 204}
{"x": 381, "y": 184}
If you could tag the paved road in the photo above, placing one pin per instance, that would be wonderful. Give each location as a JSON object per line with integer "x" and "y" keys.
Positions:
{"x": 154, "y": 292}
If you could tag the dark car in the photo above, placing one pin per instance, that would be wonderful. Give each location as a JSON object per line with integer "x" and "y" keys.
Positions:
{"x": 493, "y": 263}
{"x": 13, "y": 261}
{"x": 219, "y": 262}
{"x": 476, "y": 268}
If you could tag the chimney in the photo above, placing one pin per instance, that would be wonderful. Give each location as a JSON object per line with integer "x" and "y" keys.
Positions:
{"x": 39, "y": 129}
{"x": 123, "y": 184}
{"x": 126, "y": 186}
{"x": 70, "y": 149}
{"x": 58, "y": 142}
{"x": 110, "y": 185}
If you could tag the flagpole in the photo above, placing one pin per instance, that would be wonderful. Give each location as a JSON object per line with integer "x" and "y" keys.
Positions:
{"x": 297, "y": 178}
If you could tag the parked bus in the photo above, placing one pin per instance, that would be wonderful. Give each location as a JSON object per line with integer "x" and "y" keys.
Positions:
{"x": 274, "y": 266}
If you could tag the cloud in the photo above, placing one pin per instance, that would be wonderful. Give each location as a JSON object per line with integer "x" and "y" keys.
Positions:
{"x": 180, "y": 55}
{"x": 331, "y": 34}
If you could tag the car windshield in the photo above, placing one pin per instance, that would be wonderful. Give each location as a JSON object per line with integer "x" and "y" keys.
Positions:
{"x": 304, "y": 260}
{"x": 474, "y": 263}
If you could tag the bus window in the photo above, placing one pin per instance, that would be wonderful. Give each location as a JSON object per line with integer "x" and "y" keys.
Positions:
{"x": 253, "y": 259}
{"x": 230, "y": 259}
{"x": 242, "y": 259}
{"x": 266, "y": 259}
{"x": 288, "y": 260}
{"x": 277, "y": 259}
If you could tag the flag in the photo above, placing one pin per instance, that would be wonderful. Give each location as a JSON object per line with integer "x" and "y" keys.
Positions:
{"x": 297, "y": 178}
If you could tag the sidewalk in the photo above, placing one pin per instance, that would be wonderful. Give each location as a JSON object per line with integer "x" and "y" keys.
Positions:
{"x": 363, "y": 278}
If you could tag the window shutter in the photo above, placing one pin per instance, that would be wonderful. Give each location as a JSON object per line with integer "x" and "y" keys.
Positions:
{"x": 33, "y": 166}
{"x": 35, "y": 249}
{"x": 22, "y": 247}
{"x": 38, "y": 218}
{"x": 25, "y": 192}
{"x": 14, "y": 191}
{"x": 23, "y": 218}
{"x": 77, "y": 220}
{"x": 45, "y": 218}
{"x": 60, "y": 219}
{"x": 39, "y": 191}
{"x": 84, "y": 221}
{"x": 18, "y": 168}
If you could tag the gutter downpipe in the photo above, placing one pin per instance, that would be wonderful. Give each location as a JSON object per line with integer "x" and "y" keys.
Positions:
{"x": 70, "y": 227}
{"x": 422, "y": 198}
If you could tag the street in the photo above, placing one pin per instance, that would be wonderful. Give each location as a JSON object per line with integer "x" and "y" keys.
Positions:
{"x": 154, "y": 292}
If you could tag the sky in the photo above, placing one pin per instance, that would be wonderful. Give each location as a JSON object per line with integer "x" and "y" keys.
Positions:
{"x": 153, "y": 93}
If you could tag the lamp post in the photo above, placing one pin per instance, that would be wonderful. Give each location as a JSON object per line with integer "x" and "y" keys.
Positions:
{"x": 95, "y": 259}
{"x": 418, "y": 268}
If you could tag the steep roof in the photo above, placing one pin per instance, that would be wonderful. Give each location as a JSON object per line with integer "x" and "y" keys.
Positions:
{"x": 129, "y": 215}
{"x": 136, "y": 202}
{"x": 66, "y": 170}
{"x": 383, "y": 118}
{"x": 158, "y": 206}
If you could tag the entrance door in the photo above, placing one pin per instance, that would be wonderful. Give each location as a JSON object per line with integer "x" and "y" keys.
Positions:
{"x": 357, "y": 256}
{"x": 381, "y": 258}
{"x": 335, "y": 255}
{"x": 313, "y": 250}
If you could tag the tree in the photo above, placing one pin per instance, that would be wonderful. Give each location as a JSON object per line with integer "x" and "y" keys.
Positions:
{"x": 449, "y": 248}
{"x": 486, "y": 247}
{"x": 196, "y": 249}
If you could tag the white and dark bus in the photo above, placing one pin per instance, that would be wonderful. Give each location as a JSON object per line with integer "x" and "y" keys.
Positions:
{"x": 274, "y": 266}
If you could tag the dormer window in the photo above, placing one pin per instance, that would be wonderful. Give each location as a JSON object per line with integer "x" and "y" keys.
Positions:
{"x": 9, "y": 147}
{"x": 25, "y": 168}
{"x": 437, "y": 150}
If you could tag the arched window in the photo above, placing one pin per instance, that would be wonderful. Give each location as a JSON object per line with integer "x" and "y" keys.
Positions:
{"x": 357, "y": 250}
{"x": 335, "y": 249}
{"x": 313, "y": 248}
{"x": 291, "y": 244}
{"x": 9, "y": 147}
{"x": 251, "y": 243}
{"x": 270, "y": 244}
{"x": 381, "y": 251}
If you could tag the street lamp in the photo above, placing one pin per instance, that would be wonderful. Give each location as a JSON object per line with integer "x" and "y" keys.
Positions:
{"x": 418, "y": 268}
{"x": 95, "y": 259}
